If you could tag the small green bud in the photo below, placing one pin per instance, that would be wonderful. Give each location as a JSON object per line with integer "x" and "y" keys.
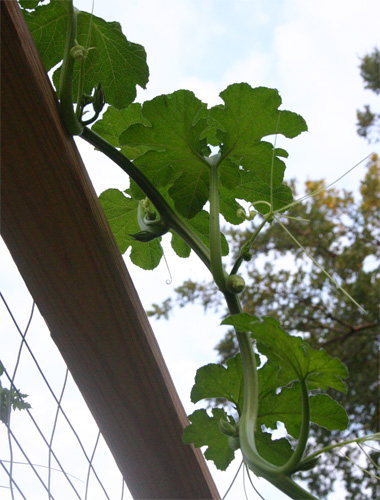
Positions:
{"x": 233, "y": 443}
{"x": 227, "y": 428}
{"x": 247, "y": 256}
{"x": 235, "y": 283}
{"x": 252, "y": 214}
{"x": 240, "y": 212}
{"x": 79, "y": 52}
{"x": 144, "y": 236}
{"x": 308, "y": 464}
{"x": 99, "y": 99}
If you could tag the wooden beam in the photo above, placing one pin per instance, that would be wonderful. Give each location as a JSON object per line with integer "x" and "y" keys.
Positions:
{"x": 56, "y": 231}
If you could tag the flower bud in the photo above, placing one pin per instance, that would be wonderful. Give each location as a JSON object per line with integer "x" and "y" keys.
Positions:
{"x": 235, "y": 283}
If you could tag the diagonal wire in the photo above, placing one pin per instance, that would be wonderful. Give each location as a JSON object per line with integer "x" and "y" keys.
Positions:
{"x": 12, "y": 479}
{"x": 47, "y": 444}
{"x": 56, "y": 400}
{"x": 58, "y": 403}
{"x": 27, "y": 459}
{"x": 13, "y": 388}
{"x": 90, "y": 467}
{"x": 53, "y": 431}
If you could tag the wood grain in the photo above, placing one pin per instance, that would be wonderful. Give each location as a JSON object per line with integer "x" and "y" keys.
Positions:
{"x": 56, "y": 231}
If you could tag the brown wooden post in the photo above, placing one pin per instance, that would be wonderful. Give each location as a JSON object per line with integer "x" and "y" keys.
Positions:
{"x": 56, "y": 231}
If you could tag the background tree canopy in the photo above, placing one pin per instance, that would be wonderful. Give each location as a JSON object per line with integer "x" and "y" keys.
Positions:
{"x": 342, "y": 233}
{"x": 368, "y": 123}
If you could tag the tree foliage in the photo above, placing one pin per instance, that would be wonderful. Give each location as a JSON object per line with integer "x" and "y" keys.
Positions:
{"x": 368, "y": 124}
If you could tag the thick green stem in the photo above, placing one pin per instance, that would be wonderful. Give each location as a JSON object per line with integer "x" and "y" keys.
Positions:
{"x": 167, "y": 214}
{"x": 278, "y": 476}
{"x": 65, "y": 93}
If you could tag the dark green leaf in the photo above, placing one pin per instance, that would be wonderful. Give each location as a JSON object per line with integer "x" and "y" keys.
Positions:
{"x": 247, "y": 116}
{"x": 118, "y": 64}
{"x": 47, "y": 24}
{"x": 115, "y": 121}
{"x": 29, "y": 4}
{"x": 252, "y": 170}
{"x": 175, "y": 148}
{"x": 326, "y": 412}
{"x": 285, "y": 407}
{"x": 275, "y": 451}
{"x": 292, "y": 353}
{"x": 217, "y": 381}
{"x": 204, "y": 431}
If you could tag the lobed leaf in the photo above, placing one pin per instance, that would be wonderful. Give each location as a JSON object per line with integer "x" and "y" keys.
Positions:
{"x": 217, "y": 381}
{"x": 175, "y": 148}
{"x": 115, "y": 121}
{"x": 247, "y": 116}
{"x": 291, "y": 353}
{"x": 118, "y": 64}
{"x": 204, "y": 431}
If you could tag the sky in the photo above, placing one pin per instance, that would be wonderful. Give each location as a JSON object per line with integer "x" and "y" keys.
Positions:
{"x": 310, "y": 52}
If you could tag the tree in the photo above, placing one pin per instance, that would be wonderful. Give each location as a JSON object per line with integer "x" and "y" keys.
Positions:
{"x": 368, "y": 122}
{"x": 343, "y": 236}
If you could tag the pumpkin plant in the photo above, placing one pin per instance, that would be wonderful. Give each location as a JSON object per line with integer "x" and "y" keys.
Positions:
{"x": 189, "y": 165}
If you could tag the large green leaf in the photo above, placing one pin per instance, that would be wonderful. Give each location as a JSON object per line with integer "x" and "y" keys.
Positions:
{"x": 252, "y": 170}
{"x": 204, "y": 431}
{"x": 217, "y": 381}
{"x": 292, "y": 353}
{"x": 48, "y": 24}
{"x": 247, "y": 116}
{"x": 286, "y": 407}
{"x": 113, "y": 123}
{"x": 118, "y": 64}
{"x": 175, "y": 148}
{"x": 121, "y": 213}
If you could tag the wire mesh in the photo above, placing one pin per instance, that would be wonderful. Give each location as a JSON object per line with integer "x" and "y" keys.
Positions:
{"x": 50, "y": 445}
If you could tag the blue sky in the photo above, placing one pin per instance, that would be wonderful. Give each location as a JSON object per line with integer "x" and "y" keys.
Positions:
{"x": 309, "y": 51}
